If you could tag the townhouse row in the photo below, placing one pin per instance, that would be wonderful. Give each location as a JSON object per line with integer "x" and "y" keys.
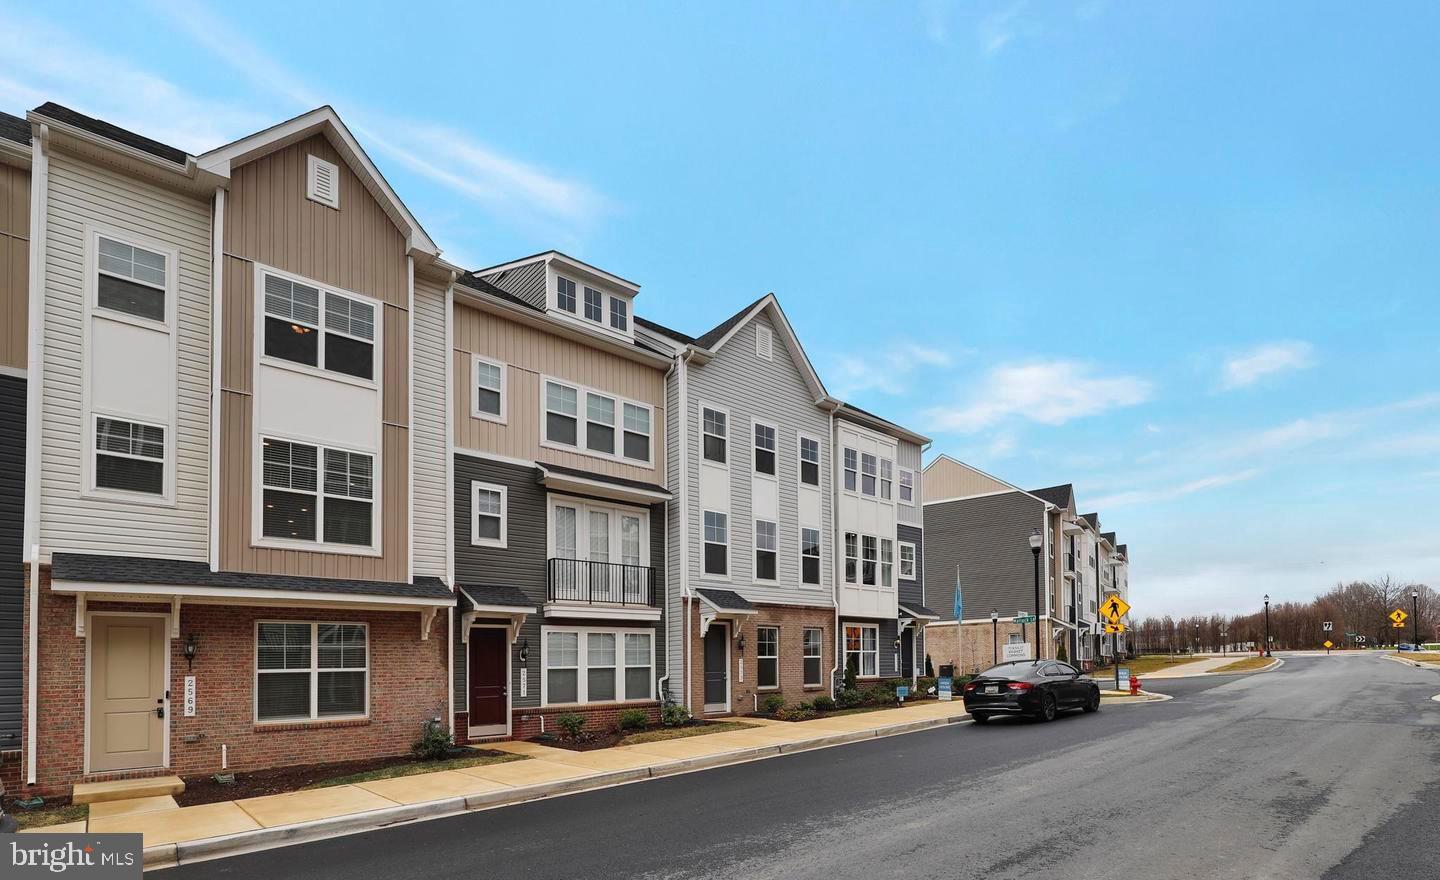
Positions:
{"x": 279, "y": 484}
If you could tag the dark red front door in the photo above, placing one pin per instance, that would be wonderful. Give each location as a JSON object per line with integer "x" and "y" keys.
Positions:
{"x": 487, "y": 677}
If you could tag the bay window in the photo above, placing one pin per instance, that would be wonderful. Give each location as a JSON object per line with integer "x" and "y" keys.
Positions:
{"x": 590, "y": 665}
{"x": 306, "y": 671}
{"x": 767, "y": 657}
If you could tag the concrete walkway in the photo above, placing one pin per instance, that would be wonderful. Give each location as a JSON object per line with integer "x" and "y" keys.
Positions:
{"x": 546, "y": 770}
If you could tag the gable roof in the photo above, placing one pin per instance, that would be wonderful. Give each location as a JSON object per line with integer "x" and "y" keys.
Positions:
{"x": 1060, "y": 496}
{"x": 662, "y": 330}
{"x": 13, "y": 128}
{"x": 323, "y": 120}
{"x": 884, "y": 424}
{"x": 1109, "y": 536}
{"x": 717, "y": 334}
{"x": 109, "y": 131}
{"x": 1093, "y": 519}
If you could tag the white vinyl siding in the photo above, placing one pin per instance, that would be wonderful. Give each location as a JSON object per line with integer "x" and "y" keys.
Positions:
{"x": 431, "y": 497}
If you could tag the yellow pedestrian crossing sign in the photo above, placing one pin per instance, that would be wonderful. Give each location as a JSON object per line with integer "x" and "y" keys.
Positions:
{"x": 1398, "y": 617}
{"x": 1114, "y": 608}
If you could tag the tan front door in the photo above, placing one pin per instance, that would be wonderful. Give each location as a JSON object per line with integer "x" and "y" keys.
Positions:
{"x": 127, "y": 687}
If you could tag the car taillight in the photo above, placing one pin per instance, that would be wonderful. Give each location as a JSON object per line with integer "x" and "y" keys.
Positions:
{"x": 1020, "y": 685}
{"x": 969, "y": 686}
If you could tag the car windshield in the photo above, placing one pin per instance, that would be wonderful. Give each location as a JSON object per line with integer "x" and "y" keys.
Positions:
{"x": 1014, "y": 671}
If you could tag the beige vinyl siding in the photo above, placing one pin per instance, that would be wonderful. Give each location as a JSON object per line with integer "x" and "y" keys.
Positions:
{"x": 946, "y": 479}
{"x": 14, "y": 265}
{"x": 431, "y": 360}
{"x": 81, "y": 193}
{"x": 269, "y": 220}
{"x": 530, "y": 353}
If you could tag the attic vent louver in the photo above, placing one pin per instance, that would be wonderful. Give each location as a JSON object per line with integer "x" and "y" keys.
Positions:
{"x": 323, "y": 182}
{"x": 764, "y": 343}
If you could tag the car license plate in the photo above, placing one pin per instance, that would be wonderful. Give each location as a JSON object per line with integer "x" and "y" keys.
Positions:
{"x": 993, "y": 689}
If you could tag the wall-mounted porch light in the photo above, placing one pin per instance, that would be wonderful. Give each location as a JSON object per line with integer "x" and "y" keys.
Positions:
{"x": 191, "y": 646}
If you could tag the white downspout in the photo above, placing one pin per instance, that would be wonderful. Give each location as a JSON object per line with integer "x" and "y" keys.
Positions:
{"x": 34, "y": 400}
{"x": 836, "y": 561}
{"x": 217, "y": 330}
{"x": 665, "y": 588}
{"x": 684, "y": 444}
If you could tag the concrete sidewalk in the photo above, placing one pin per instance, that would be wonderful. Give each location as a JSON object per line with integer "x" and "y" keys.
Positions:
{"x": 173, "y": 834}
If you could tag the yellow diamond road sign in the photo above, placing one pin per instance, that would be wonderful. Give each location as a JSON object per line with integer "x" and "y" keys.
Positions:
{"x": 1398, "y": 616}
{"x": 1329, "y": 644}
{"x": 1114, "y": 608}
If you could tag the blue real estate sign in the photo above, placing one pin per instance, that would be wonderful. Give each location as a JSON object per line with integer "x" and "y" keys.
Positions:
{"x": 944, "y": 687}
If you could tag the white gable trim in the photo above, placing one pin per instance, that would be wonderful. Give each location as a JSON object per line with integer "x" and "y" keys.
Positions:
{"x": 792, "y": 341}
{"x": 973, "y": 469}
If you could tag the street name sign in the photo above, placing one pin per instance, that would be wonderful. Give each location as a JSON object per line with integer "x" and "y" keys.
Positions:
{"x": 1114, "y": 608}
{"x": 1023, "y": 618}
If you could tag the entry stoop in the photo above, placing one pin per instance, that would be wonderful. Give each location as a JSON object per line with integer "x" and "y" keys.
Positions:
{"x": 126, "y": 789}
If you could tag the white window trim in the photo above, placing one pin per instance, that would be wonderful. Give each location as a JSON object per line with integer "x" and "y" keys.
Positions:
{"x": 475, "y": 540}
{"x": 475, "y": 410}
{"x": 729, "y": 446}
{"x": 583, "y": 507}
{"x": 800, "y": 558}
{"x": 800, "y": 461}
{"x": 755, "y": 449}
{"x": 257, "y": 492}
{"x": 859, "y": 673}
{"x": 866, "y": 443}
{"x": 581, "y": 683}
{"x": 775, "y": 657}
{"x": 89, "y": 411}
{"x": 378, "y": 343}
{"x": 844, "y": 469}
{"x": 166, "y": 498}
{"x": 914, "y": 560}
{"x": 314, "y": 673}
{"x": 311, "y": 165}
{"x": 804, "y": 656}
{"x": 845, "y": 558}
{"x": 755, "y": 543}
{"x": 880, "y": 574}
{"x": 582, "y": 420}
{"x": 577, "y": 317}
{"x": 899, "y": 482}
{"x": 729, "y": 574}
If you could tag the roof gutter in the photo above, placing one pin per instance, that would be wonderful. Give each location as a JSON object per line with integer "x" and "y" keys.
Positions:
{"x": 188, "y": 168}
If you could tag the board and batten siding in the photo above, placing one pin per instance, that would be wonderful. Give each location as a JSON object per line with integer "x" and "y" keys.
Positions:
{"x": 81, "y": 193}
{"x": 357, "y": 248}
{"x": 529, "y": 353}
{"x": 988, "y": 538}
{"x": 431, "y": 412}
{"x": 14, "y": 265}
{"x": 945, "y": 479}
{"x": 12, "y": 573}
{"x": 773, "y": 392}
{"x": 908, "y": 455}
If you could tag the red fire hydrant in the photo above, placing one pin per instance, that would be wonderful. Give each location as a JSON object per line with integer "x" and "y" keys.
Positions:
{"x": 1134, "y": 686}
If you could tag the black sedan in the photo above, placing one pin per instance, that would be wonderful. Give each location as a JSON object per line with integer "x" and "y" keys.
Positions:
{"x": 1039, "y": 688}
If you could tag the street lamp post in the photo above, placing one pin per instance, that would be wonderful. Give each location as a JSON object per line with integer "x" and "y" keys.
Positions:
{"x": 1036, "y": 542}
{"x": 1267, "y": 625}
{"x": 1415, "y": 618}
{"x": 995, "y": 637}
{"x": 1197, "y": 639}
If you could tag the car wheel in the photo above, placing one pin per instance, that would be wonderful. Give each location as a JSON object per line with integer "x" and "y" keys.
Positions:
{"x": 980, "y": 717}
{"x": 1092, "y": 702}
{"x": 1047, "y": 707}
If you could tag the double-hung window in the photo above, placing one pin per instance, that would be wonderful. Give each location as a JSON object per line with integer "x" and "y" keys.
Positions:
{"x": 594, "y": 305}
{"x": 332, "y": 332}
{"x": 713, "y": 432}
{"x": 489, "y": 384}
{"x": 809, "y": 556}
{"x": 764, "y": 449}
{"x": 565, "y": 294}
{"x": 887, "y": 562}
{"x": 717, "y": 543}
{"x": 619, "y": 314}
{"x": 862, "y": 649}
{"x": 814, "y": 656}
{"x": 611, "y": 427}
{"x": 764, "y": 550}
{"x": 869, "y": 551}
{"x": 907, "y": 486}
{"x": 907, "y": 561}
{"x": 129, "y": 456}
{"x": 852, "y": 556}
{"x": 852, "y": 459}
{"x": 809, "y": 461}
{"x": 637, "y": 433}
{"x": 767, "y": 657}
{"x": 598, "y": 666}
{"x": 886, "y": 478}
{"x": 562, "y": 408}
{"x": 487, "y": 508}
{"x": 867, "y": 474}
{"x": 300, "y": 506}
{"x": 131, "y": 280}
{"x": 600, "y": 423}
{"x": 310, "y": 670}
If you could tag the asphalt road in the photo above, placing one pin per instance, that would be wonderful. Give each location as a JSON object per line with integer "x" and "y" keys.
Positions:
{"x": 1328, "y": 767}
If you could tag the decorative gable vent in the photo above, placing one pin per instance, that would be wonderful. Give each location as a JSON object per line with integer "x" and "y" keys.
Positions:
{"x": 764, "y": 343}
{"x": 323, "y": 182}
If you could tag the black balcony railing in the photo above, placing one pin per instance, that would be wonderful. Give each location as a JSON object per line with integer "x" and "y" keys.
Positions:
{"x": 601, "y": 583}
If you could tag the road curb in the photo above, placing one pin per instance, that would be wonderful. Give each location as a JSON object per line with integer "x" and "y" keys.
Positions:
{"x": 1417, "y": 664}
{"x": 172, "y": 854}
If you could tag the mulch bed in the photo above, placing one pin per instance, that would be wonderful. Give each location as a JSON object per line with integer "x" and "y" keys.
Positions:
{"x": 590, "y": 740}
{"x": 853, "y": 711}
{"x": 279, "y": 780}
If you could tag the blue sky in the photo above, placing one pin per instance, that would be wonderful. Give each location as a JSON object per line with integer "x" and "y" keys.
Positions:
{"x": 1181, "y": 255}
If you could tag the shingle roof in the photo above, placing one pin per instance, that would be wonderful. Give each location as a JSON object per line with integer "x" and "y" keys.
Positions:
{"x": 1124, "y": 550}
{"x": 13, "y": 128}
{"x": 1093, "y": 519}
{"x": 726, "y": 600}
{"x": 718, "y": 332}
{"x": 881, "y": 419}
{"x": 604, "y": 478}
{"x": 915, "y": 609}
{"x": 495, "y": 595}
{"x": 1059, "y": 496}
{"x": 113, "y": 132}
{"x": 475, "y": 282}
{"x": 145, "y": 570}
{"x": 1109, "y": 536}
{"x": 664, "y": 331}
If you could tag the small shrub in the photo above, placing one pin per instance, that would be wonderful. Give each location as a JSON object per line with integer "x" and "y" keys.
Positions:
{"x": 849, "y": 699}
{"x": 432, "y": 745}
{"x": 891, "y": 684}
{"x": 851, "y": 672}
{"x": 571, "y": 723}
{"x": 806, "y": 705}
{"x": 824, "y": 704}
{"x": 634, "y": 719}
{"x": 1062, "y": 655}
{"x": 929, "y": 667}
{"x": 877, "y": 695}
{"x": 772, "y": 704}
{"x": 795, "y": 713}
{"x": 926, "y": 684}
{"x": 674, "y": 715}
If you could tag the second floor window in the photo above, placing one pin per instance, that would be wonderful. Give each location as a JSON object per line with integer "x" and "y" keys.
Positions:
{"x": 809, "y": 556}
{"x": 300, "y": 506}
{"x": 867, "y": 474}
{"x": 907, "y": 486}
{"x": 596, "y": 433}
{"x": 852, "y": 459}
{"x": 764, "y": 550}
{"x": 131, "y": 280}
{"x": 489, "y": 390}
{"x": 886, "y": 481}
{"x": 619, "y": 314}
{"x": 339, "y": 338}
{"x": 562, "y": 424}
{"x": 129, "y": 456}
{"x": 764, "y": 449}
{"x": 637, "y": 432}
{"x": 487, "y": 504}
{"x": 717, "y": 543}
{"x": 809, "y": 461}
{"x": 713, "y": 431}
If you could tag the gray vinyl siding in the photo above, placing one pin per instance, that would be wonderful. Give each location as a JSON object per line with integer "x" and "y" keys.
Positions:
{"x": 774, "y": 392}
{"x": 526, "y": 282}
{"x": 522, "y": 564}
{"x": 79, "y": 194}
{"x": 430, "y": 424}
{"x": 12, "y": 571}
{"x": 887, "y": 659}
{"x": 912, "y": 591}
{"x": 988, "y": 538}
{"x": 909, "y": 458}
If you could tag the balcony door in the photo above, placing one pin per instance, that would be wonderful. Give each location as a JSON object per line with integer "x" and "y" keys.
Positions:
{"x": 604, "y": 552}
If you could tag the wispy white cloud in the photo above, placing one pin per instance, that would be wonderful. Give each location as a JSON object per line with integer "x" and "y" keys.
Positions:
{"x": 1248, "y": 367}
{"x": 1049, "y": 392}
{"x": 935, "y": 18}
{"x": 998, "y": 29}
{"x": 1137, "y": 497}
{"x": 889, "y": 371}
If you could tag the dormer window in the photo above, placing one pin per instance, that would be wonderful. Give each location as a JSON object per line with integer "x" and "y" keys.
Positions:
{"x": 619, "y": 314}
{"x": 565, "y": 294}
{"x": 594, "y": 305}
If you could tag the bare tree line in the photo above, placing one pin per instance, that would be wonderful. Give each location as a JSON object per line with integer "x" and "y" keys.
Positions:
{"x": 1357, "y": 608}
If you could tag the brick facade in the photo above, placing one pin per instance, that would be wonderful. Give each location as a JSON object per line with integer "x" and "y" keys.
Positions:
{"x": 974, "y": 651}
{"x": 792, "y": 621}
{"x": 407, "y": 687}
